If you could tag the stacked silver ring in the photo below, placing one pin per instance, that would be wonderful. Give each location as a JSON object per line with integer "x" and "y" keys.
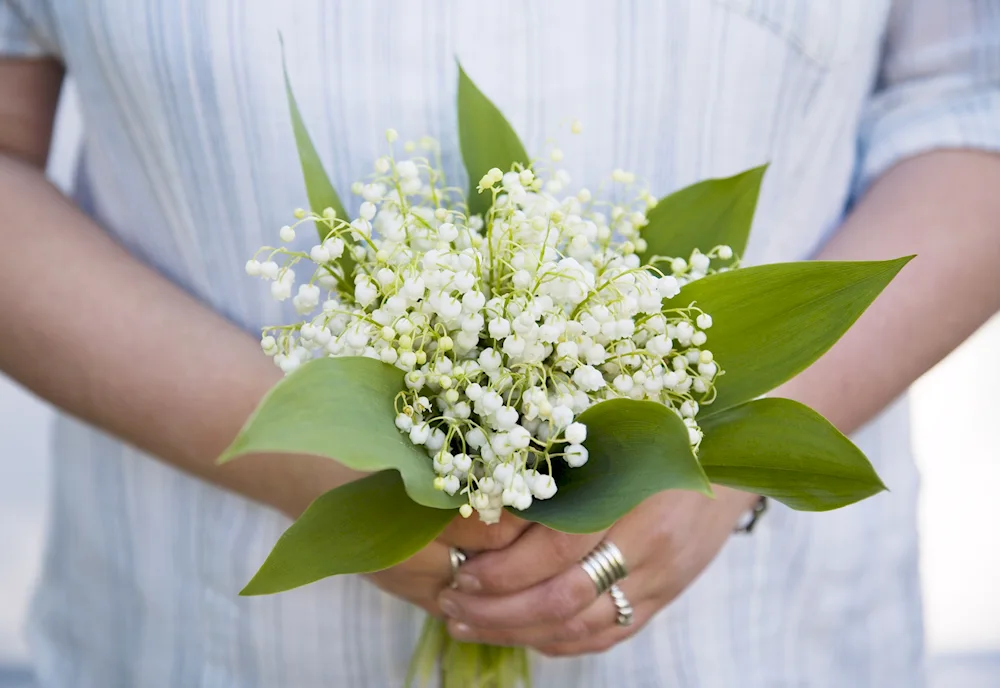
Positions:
{"x": 623, "y": 606}
{"x": 605, "y": 565}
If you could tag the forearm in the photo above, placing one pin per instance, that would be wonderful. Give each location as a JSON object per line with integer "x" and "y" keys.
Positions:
{"x": 944, "y": 207}
{"x": 109, "y": 340}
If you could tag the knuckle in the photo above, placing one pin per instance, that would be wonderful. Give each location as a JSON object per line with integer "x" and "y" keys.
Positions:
{"x": 496, "y": 579}
{"x": 511, "y": 531}
{"x": 474, "y": 615}
{"x": 563, "y": 601}
{"x": 563, "y": 546}
{"x": 498, "y": 536}
{"x": 576, "y": 628}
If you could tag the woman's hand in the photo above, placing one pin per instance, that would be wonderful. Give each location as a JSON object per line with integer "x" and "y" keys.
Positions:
{"x": 534, "y": 593}
{"x": 421, "y": 578}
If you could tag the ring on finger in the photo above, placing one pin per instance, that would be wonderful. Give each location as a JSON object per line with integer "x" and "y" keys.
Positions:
{"x": 456, "y": 557}
{"x": 624, "y": 608}
{"x": 605, "y": 566}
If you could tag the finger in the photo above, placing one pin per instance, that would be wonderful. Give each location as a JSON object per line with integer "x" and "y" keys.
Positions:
{"x": 603, "y": 641}
{"x": 433, "y": 561}
{"x": 420, "y": 591}
{"x": 472, "y": 535}
{"x": 539, "y": 554}
{"x": 599, "y": 617}
{"x": 420, "y": 578}
{"x": 557, "y": 599}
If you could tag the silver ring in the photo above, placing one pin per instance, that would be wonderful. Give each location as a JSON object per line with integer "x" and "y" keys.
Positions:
{"x": 457, "y": 557}
{"x": 623, "y": 606}
{"x": 605, "y": 565}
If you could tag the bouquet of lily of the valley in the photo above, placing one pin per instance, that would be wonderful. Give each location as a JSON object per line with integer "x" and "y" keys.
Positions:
{"x": 516, "y": 346}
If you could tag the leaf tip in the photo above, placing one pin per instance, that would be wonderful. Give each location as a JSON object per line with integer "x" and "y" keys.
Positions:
{"x": 236, "y": 448}
{"x": 228, "y": 455}
{"x": 250, "y": 590}
{"x": 893, "y": 266}
{"x": 264, "y": 583}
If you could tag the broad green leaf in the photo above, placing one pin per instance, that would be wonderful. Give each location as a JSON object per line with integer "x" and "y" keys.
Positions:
{"x": 363, "y": 526}
{"x": 319, "y": 189}
{"x": 704, "y": 215}
{"x": 486, "y": 138}
{"x": 782, "y": 449}
{"x": 341, "y": 408}
{"x": 637, "y": 448}
{"x": 773, "y": 321}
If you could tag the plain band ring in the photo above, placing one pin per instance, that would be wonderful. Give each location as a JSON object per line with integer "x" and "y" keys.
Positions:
{"x": 605, "y": 566}
{"x": 624, "y": 608}
{"x": 456, "y": 557}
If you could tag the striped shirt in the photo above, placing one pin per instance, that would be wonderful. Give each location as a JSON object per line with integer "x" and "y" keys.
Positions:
{"x": 189, "y": 162}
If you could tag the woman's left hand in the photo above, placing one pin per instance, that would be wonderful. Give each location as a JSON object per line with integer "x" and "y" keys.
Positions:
{"x": 534, "y": 593}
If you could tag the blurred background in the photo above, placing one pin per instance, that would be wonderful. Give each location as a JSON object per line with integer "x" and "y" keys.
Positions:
{"x": 956, "y": 413}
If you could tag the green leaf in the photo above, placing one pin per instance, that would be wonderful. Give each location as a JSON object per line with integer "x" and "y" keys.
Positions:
{"x": 319, "y": 189}
{"x": 785, "y": 450}
{"x": 341, "y": 408}
{"x": 363, "y": 526}
{"x": 773, "y": 321}
{"x": 710, "y": 213}
{"x": 637, "y": 448}
{"x": 486, "y": 138}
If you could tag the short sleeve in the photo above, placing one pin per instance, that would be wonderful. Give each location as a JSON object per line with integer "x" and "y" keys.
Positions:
{"x": 19, "y": 37}
{"x": 938, "y": 84}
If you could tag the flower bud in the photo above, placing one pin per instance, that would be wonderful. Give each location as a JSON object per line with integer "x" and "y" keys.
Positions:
{"x": 576, "y": 455}
{"x": 269, "y": 270}
{"x": 522, "y": 501}
{"x": 451, "y": 485}
{"x": 419, "y": 433}
{"x": 576, "y": 433}
{"x": 499, "y": 328}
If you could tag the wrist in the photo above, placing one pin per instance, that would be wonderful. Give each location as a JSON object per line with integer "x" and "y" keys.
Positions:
{"x": 738, "y": 501}
{"x": 749, "y": 519}
{"x": 742, "y": 508}
{"x": 288, "y": 483}
{"x": 304, "y": 479}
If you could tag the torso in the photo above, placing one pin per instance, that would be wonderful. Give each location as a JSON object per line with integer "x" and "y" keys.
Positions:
{"x": 189, "y": 161}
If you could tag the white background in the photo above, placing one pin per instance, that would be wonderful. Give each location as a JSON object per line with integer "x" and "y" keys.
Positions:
{"x": 956, "y": 411}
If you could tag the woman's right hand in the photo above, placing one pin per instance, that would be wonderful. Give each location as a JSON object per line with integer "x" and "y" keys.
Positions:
{"x": 421, "y": 578}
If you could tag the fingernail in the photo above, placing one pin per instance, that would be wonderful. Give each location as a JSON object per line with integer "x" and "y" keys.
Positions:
{"x": 468, "y": 583}
{"x": 460, "y": 629}
{"x": 449, "y": 608}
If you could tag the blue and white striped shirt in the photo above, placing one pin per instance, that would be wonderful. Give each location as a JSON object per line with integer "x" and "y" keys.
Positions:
{"x": 189, "y": 162}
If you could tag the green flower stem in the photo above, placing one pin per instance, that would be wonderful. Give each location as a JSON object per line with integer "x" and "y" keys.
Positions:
{"x": 465, "y": 665}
